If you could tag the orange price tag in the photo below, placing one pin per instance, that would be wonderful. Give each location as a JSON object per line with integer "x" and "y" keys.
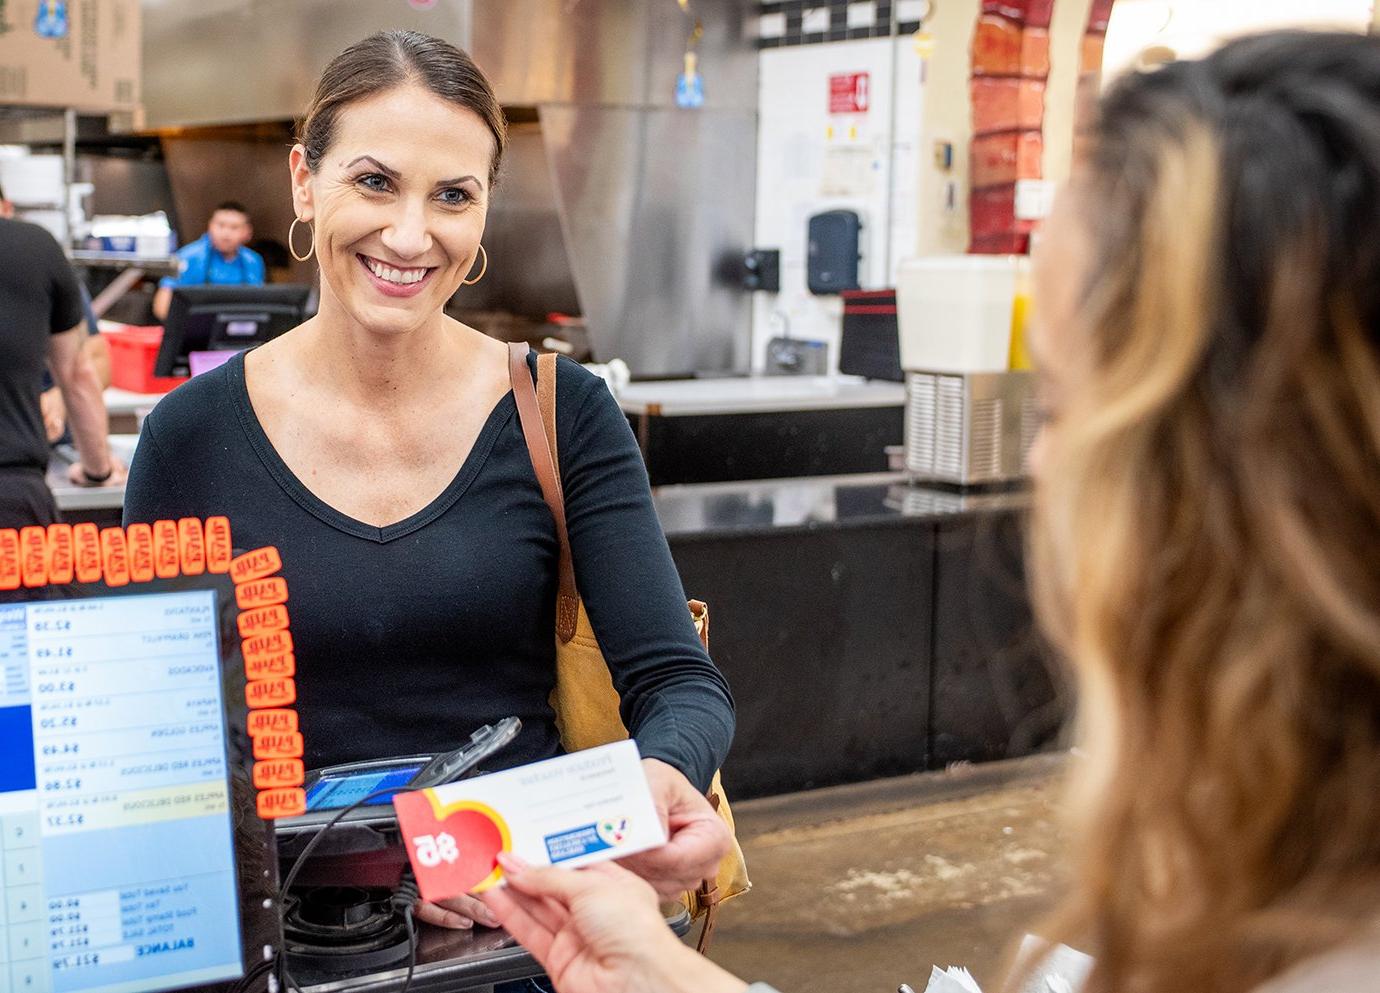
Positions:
{"x": 60, "y": 554}
{"x": 218, "y": 544}
{"x": 87, "y": 540}
{"x": 272, "y": 722}
{"x": 269, "y": 693}
{"x": 261, "y": 593}
{"x": 139, "y": 537}
{"x": 166, "y": 561}
{"x": 191, "y": 545}
{"x": 262, "y": 621}
{"x": 115, "y": 556}
{"x": 257, "y": 564}
{"x": 33, "y": 555}
{"x": 264, "y": 645}
{"x": 280, "y": 666}
{"x": 282, "y": 803}
{"x": 279, "y": 746}
{"x": 9, "y": 559}
{"x": 279, "y": 772}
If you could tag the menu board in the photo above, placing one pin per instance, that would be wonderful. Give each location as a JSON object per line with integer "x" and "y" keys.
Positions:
{"x": 119, "y": 870}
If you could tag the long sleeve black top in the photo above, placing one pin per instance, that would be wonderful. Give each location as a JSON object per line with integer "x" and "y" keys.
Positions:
{"x": 410, "y": 636}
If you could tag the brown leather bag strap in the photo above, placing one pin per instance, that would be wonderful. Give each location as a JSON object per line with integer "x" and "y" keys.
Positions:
{"x": 708, "y": 894}
{"x": 546, "y": 401}
{"x": 541, "y": 450}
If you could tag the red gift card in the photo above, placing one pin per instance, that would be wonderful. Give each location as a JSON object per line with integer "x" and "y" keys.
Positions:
{"x": 453, "y": 849}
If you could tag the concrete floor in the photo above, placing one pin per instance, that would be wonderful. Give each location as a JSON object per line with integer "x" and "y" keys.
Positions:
{"x": 862, "y": 888}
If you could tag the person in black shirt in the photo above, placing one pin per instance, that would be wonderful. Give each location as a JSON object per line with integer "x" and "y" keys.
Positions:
{"x": 377, "y": 446}
{"x": 42, "y": 322}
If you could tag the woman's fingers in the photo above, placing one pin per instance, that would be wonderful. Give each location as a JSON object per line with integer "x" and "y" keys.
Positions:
{"x": 514, "y": 910}
{"x": 430, "y": 913}
{"x": 469, "y": 907}
{"x": 560, "y": 885}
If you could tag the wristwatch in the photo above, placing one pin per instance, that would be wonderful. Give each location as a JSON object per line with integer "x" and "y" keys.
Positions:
{"x": 96, "y": 480}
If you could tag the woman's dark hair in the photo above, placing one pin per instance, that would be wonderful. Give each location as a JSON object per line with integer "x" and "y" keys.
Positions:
{"x": 1207, "y": 517}
{"x": 394, "y": 58}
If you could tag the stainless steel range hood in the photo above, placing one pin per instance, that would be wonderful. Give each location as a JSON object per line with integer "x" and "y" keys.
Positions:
{"x": 214, "y": 62}
{"x": 653, "y": 202}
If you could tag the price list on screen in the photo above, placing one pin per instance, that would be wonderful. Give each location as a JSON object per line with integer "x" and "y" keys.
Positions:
{"x": 127, "y": 718}
{"x": 130, "y": 805}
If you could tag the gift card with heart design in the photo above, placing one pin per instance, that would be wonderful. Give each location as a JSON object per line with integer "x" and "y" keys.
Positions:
{"x": 571, "y": 811}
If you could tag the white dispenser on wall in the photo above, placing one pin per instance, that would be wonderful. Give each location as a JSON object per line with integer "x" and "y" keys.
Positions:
{"x": 970, "y": 417}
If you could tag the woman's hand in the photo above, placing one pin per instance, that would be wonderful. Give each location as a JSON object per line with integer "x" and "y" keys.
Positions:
{"x": 599, "y": 930}
{"x": 698, "y": 839}
{"x": 457, "y": 913}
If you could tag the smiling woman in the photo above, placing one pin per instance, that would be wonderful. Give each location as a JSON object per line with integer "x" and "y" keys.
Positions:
{"x": 397, "y": 158}
{"x": 377, "y": 446}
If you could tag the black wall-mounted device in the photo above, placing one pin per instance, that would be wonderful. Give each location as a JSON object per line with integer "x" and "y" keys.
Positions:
{"x": 831, "y": 262}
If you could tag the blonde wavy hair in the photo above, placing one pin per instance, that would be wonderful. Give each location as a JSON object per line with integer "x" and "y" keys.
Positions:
{"x": 1206, "y": 548}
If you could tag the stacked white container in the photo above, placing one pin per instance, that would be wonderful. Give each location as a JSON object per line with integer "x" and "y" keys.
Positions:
{"x": 969, "y": 418}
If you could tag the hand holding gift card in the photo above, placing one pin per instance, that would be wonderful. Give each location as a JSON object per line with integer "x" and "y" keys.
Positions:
{"x": 570, "y": 811}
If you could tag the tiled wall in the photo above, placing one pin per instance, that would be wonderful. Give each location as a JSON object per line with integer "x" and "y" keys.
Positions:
{"x": 1011, "y": 63}
{"x": 784, "y": 23}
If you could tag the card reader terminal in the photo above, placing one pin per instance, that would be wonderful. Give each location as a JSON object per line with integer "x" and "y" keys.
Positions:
{"x": 335, "y": 787}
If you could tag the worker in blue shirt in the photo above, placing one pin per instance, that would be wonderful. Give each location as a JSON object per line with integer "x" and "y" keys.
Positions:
{"x": 220, "y": 256}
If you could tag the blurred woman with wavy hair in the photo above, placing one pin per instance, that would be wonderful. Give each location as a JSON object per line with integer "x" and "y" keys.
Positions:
{"x": 1205, "y": 549}
{"x": 1207, "y": 535}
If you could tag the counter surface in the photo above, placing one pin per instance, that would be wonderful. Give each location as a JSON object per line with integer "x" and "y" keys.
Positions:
{"x": 688, "y": 397}
{"x": 715, "y": 509}
{"x": 756, "y": 395}
{"x": 709, "y": 508}
{"x": 84, "y": 498}
{"x": 118, "y": 401}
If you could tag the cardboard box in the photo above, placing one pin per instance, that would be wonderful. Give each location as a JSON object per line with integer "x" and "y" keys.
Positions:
{"x": 85, "y": 54}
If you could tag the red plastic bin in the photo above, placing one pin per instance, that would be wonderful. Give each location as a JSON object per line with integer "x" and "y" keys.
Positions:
{"x": 133, "y": 350}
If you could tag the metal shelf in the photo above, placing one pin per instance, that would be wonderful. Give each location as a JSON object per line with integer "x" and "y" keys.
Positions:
{"x": 123, "y": 260}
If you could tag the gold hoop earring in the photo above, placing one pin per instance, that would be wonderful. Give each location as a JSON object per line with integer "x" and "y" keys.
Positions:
{"x": 293, "y": 251}
{"x": 482, "y": 269}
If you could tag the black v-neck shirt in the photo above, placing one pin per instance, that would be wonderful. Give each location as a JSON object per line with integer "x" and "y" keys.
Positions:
{"x": 409, "y": 637}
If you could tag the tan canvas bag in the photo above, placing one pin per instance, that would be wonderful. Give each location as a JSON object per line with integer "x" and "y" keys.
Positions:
{"x": 584, "y": 699}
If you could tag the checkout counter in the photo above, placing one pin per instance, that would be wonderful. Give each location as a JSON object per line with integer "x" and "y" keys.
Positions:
{"x": 763, "y": 428}
{"x": 869, "y": 626}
